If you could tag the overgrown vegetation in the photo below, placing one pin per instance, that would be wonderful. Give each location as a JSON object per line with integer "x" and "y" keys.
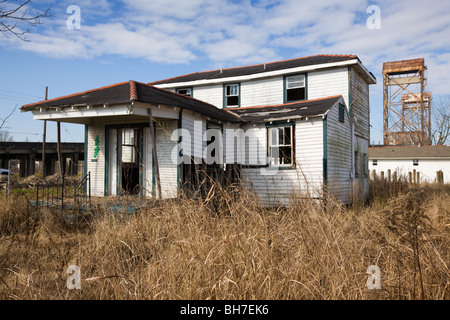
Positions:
{"x": 236, "y": 249}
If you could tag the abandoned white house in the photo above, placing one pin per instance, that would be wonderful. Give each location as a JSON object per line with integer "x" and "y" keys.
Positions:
{"x": 290, "y": 127}
{"x": 415, "y": 163}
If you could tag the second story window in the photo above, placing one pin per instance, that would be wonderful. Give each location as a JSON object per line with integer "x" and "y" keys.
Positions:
{"x": 295, "y": 88}
{"x": 185, "y": 91}
{"x": 231, "y": 95}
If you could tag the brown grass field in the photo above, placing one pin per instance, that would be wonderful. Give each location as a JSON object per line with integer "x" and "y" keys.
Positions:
{"x": 236, "y": 249}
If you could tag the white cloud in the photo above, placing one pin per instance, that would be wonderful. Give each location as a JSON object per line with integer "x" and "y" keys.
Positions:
{"x": 229, "y": 33}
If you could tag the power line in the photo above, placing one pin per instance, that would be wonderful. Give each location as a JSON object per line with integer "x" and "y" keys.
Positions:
{"x": 22, "y": 94}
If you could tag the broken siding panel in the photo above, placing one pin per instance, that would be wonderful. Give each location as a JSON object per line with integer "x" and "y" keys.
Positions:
{"x": 96, "y": 167}
{"x": 360, "y": 104}
{"x": 339, "y": 155}
{"x": 168, "y": 168}
{"x": 328, "y": 83}
{"x": 212, "y": 94}
{"x": 262, "y": 92}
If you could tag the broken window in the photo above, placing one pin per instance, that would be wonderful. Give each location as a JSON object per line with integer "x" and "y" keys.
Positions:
{"x": 232, "y": 95}
{"x": 185, "y": 91}
{"x": 128, "y": 146}
{"x": 295, "y": 88}
{"x": 281, "y": 146}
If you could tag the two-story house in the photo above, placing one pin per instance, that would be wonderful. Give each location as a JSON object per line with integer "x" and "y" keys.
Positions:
{"x": 298, "y": 127}
{"x": 295, "y": 106}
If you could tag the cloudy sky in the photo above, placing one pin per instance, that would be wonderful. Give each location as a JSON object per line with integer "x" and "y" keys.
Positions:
{"x": 147, "y": 40}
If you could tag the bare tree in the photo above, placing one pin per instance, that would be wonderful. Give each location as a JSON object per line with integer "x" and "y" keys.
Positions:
{"x": 440, "y": 132}
{"x": 4, "y": 135}
{"x": 14, "y": 12}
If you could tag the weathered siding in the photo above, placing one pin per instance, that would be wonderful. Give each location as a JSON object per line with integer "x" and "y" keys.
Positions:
{"x": 306, "y": 179}
{"x": 262, "y": 92}
{"x": 212, "y": 94}
{"x": 339, "y": 156}
{"x": 96, "y": 167}
{"x": 196, "y": 126}
{"x": 168, "y": 168}
{"x": 360, "y": 104}
{"x": 327, "y": 83}
{"x": 147, "y": 163}
{"x": 112, "y": 162}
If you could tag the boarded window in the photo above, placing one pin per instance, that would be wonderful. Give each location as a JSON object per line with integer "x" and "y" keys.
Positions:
{"x": 232, "y": 95}
{"x": 281, "y": 146}
{"x": 295, "y": 88}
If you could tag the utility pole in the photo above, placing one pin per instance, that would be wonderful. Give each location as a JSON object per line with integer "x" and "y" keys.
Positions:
{"x": 44, "y": 171}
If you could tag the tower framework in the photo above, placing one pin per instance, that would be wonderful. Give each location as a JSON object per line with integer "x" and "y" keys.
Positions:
{"x": 406, "y": 105}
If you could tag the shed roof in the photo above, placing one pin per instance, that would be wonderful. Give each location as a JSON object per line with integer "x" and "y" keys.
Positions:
{"x": 126, "y": 92}
{"x": 409, "y": 152}
{"x": 307, "y": 108}
{"x": 257, "y": 69}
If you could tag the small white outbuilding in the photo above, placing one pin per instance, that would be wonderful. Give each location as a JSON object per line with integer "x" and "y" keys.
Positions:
{"x": 419, "y": 163}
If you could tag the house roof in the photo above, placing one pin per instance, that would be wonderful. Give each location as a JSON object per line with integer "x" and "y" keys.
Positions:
{"x": 307, "y": 108}
{"x": 126, "y": 92}
{"x": 257, "y": 69}
{"x": 409, "y": 152}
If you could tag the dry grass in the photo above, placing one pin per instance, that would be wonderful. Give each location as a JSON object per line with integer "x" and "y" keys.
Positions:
{"x": 184, "y": 249}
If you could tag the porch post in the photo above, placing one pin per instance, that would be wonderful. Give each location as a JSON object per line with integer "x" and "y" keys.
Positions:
{"x": 155, "y": 155}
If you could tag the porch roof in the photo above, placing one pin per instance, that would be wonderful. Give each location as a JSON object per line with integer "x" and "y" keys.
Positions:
{"x": 300, "y": 109}
{"x": 133, "y": 91}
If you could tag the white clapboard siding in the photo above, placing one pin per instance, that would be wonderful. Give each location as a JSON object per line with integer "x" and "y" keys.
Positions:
{"x": 147, "y": 164}
{"x": 267, "y": 91}
{"x": 327, "y": 83}
{"x": 309, "y": 155}
{"x": 168, "y": 168}
{"x": 112, "y": 162}
{"x": 212, "y": 94}
{"x": 196, "y": 126}
{"x": 278, "y": 187}
{"x": 339, "y": 156}
{"x": 96, "y": 167}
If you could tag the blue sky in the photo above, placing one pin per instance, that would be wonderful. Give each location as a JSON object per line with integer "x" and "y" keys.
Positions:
{"x": 147, "y": 40}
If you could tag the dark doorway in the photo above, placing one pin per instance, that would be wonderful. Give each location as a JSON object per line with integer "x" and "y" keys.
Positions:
{"x": 130, "y": 159}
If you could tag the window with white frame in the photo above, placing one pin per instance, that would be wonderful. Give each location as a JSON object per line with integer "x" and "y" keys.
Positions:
{"x": 232, "y": 95}
{"x": 281, "y": 146}
{"x": 295, "y": 88}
